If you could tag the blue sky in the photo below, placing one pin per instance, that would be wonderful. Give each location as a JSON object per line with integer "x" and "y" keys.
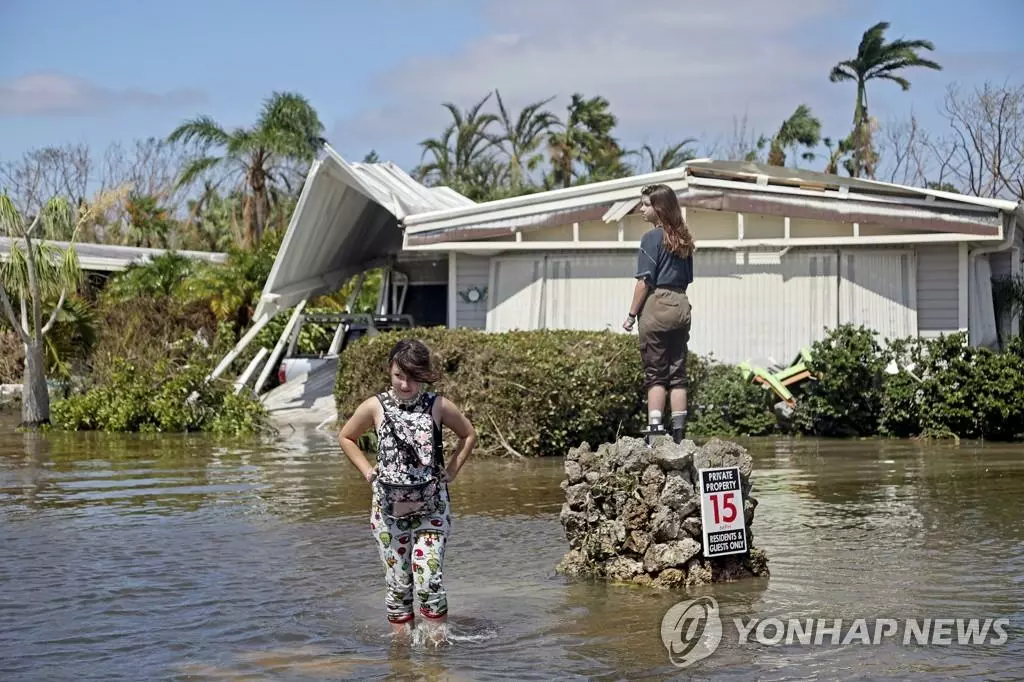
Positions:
{"x": 377, "y": 72}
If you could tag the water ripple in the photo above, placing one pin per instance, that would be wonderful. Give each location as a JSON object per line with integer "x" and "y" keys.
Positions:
{"x": 180, "y": 558}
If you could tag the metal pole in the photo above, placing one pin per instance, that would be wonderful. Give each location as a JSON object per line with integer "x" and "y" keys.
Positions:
{"x": 279, "y": 347}
{"x": 256, "y": 328}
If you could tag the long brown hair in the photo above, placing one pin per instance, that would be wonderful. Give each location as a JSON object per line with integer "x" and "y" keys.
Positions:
{"x": 665, "y": 203}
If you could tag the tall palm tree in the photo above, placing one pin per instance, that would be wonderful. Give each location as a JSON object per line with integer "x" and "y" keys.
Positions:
{"x": 523, "y": 136}
{"x": 801, "y": 129}
{"x": 586, "y": 138}
{"x": 461, "y": 153}
{"x": 877, "y": 60}
{"x": 287, "y": 132}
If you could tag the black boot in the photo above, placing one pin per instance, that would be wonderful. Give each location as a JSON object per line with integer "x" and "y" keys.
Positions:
{"x": 679, "y": 427}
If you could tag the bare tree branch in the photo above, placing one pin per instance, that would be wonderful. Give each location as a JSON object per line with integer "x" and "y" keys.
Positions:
{"x": 53, "y": 315}
{"x": 988, "y": 128}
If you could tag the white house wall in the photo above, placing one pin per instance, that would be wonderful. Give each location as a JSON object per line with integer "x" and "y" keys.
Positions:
{"x": 515, "y": 292}
{"x": 878, "y": 289}
{"x": 585, "y": 291}
{"x": 745, "y": 307}
{"x": 761, "y": 310}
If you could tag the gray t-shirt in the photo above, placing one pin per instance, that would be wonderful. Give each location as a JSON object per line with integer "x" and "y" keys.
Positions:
{"x": 660, "y": 267}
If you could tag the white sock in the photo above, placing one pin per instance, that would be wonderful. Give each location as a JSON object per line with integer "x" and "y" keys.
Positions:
{"x": 654, "y": 416}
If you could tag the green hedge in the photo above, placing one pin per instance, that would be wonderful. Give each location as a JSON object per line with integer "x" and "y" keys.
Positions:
{"x": 543, "y": 392}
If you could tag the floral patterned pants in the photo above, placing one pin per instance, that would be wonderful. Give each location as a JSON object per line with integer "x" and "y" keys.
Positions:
{"x": 412, "y": 551}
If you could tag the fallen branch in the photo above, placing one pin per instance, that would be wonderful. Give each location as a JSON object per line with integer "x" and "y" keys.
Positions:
{"x": 504, "y": 443}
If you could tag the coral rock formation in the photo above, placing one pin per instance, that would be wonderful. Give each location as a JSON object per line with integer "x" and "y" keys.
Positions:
{"x": 632, "y": 514}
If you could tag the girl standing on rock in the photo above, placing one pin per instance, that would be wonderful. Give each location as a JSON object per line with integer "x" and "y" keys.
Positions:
{"x": 664, "y": 271}
{"x": 410, "y": 510}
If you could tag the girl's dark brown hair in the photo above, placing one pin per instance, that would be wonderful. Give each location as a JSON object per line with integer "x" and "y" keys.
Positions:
{"x": 415, "y": 360}
{"x": 665, "y": 203}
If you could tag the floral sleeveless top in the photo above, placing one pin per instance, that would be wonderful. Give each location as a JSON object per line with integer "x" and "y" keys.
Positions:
{"x": 408, "y": 441}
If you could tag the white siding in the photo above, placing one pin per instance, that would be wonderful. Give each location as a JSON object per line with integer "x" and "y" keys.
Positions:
{"x": 471, "y": 271}
{"x": 515, "y": 293}
{"x": 937, "y": 289}
{"x": 745, "y": 306}
{"x": 878, "y": 289}
{"x": 761, "y": 311}
{"x": 588, "y": 291}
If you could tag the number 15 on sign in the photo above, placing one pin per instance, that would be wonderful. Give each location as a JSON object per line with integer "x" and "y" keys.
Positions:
{"x": 721, "y": 503}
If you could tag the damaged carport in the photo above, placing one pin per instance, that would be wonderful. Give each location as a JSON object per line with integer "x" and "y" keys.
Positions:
{"x": 346, "y": 222}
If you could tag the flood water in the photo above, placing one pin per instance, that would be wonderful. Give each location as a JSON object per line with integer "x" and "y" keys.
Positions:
{"x": 178, "y": 558}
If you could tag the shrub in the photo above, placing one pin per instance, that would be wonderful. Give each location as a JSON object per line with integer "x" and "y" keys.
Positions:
{"x": 953, "y": 389}
{"x": 731, "y": 406}
{"x": 540, "y": 392}
{"x": 157, "y": 400}
{"x": 846, "y": 397}
{"x": 148, "y": 330}
{"x": 901, "y": 400}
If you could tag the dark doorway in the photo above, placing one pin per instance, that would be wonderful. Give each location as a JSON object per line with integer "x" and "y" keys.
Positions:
{"x": 428, "y": 304}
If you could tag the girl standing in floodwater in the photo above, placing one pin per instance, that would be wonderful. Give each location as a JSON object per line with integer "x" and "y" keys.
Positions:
{"x": 410, "y": 514}
{"x": 664, "y": 271}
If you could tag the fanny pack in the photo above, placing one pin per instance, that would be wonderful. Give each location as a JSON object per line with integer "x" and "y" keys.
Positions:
{"x": 406, "y": 500}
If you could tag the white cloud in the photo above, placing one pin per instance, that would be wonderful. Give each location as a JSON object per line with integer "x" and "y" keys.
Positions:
{"x": 39, "y": 94}
{"x": 670, "y": 68}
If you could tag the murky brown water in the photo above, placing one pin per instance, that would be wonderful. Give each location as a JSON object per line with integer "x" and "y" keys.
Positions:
{"x": 157, "y": 558}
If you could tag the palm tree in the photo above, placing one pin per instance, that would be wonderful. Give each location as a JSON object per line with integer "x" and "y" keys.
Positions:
{"x": 672, "y": 156}
{"x": 800, "y": 129}
{"x": 33, "y": 275}
{"x": 460, "y": 155}
{"x": 232, "y": 289}
{"x": 877, "y": 60}
{"x": 260, "y": 158}
{"x": 586, "y": 138}
{"x": 523, "y": 136}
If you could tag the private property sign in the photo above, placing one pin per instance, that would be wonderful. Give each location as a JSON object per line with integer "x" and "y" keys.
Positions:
{"x": 721, "y": 506}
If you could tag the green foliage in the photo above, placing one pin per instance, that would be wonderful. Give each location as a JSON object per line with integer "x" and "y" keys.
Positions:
{"x": 946, "y": 388}
{"x": 314, "y": 338}
{"x": 940, "y": 387}
{"x": 157, "y": 400}
{"x": 164, "y": 275}
{"x": 730, "y": 406}
{"x": 541, "y": 392}
{"x": 846, "y": 398}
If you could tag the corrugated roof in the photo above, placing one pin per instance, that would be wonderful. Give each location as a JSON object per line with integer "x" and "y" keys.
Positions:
{"x": 346, "y": 221}
{"x": 808, "y": 179}
{"x": 739, "y": 183}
